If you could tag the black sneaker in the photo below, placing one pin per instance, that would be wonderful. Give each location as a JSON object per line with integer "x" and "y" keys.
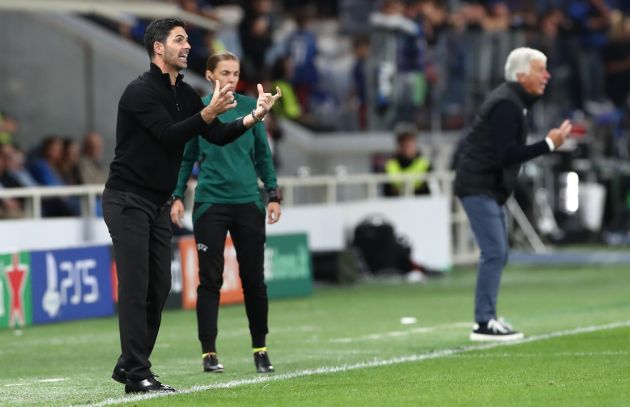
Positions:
{"x": 494, "y": 330}
{"x": 211, "y": 364}
{"x": 150, "y": 384}
{"x": 262, "y": 362}
{"x": 119, "y": 374}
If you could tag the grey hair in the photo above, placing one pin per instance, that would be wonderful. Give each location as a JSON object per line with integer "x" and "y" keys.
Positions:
{"x": 519, "y": 61}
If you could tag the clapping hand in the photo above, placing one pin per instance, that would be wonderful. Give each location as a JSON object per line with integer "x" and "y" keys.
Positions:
{"x": 559, "y": 134}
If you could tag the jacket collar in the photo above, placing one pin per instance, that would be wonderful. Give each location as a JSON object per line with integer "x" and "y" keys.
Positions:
{"x": 157, "y": 73}
{"x": 527, "y": 98}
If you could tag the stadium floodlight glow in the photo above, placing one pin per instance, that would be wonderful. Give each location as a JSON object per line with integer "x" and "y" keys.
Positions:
{"x": 571, "y": 191}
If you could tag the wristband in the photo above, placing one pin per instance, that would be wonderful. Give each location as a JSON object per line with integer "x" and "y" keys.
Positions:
{"x": 256, "y": 119}
{"x": 274, "y": 195}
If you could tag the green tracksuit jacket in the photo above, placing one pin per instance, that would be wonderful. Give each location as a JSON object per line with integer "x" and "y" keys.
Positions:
{"x": 229, "y": 174}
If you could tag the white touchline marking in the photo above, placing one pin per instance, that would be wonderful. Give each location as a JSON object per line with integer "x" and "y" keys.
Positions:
{"x": 418, "y": 330}
{"x": 537, "y": 355}
{"x": 363, "y": 365}
{"x": 51, "y": 380}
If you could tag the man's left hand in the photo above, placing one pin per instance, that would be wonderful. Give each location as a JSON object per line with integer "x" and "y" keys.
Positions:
{"x": 265, "y": 101}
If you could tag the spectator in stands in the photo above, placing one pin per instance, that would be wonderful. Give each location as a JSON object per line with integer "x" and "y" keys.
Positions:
{"x": 591, "y": 21}
{"x": 487, "y": 168}
{"x": 301, "y": 50}
{"x": 256, "y": 38}
{"x": 157, "y": 114}
{"x": 453, "y": 96}
{"x": 616, "y": 56}
{"x": 395, "y": 42}
{"x": 213, "y": 43}
{"x": 8, "y": 126}
{"x": 196, "y": 37}
{"x": 227, "y": 199}
{"x": 69, "y": 166}
{"x": 549, "y": 38}
{"x": 353, "y": 14}
{"x": 47, "y": 171}
{"x": 412, "y": 61}
{"x": 90, "y": 164}
{"x": 15, "y": 165}
{"x": 361, "y": 51}
{"x": 9, "y": 207}
{"x": 46, "y": 166}
{"x": 289, "y": 106}
{"x": 408, "y": 160}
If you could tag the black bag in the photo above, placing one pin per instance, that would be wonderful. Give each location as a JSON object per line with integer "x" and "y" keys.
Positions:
{"x": 382, "y": 251}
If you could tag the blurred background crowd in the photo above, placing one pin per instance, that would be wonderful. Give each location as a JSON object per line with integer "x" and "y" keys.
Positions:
{"x": 368, "y": 64}
{"x": 363, "y": 66}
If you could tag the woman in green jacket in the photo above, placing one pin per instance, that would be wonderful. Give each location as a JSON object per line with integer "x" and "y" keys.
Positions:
{"x": 227, "y": 198}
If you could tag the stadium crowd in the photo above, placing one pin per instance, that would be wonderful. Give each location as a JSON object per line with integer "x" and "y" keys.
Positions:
{"x": 369, "y": 64}
{"x": 350, "y": 65}
{"x": 56, "y": 161}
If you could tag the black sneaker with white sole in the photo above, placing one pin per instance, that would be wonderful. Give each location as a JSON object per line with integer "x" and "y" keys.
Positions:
{"x": 494, "y": 330}
{"x": 262, "y": 362}
{"x": 211, "y": 364}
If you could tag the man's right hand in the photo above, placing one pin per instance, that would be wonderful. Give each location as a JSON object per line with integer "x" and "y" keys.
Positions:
{"x": 177, "y": 212}
{"x": 222, "y": 100}
{"x": 559, "y": 134}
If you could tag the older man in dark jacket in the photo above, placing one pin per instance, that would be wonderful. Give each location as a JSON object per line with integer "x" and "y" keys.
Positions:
{"x": 490, "y": 160}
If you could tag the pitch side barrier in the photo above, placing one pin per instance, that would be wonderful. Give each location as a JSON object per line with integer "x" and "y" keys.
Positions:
{"x": 55, "y": 285}
{"x": 298, "y": 192}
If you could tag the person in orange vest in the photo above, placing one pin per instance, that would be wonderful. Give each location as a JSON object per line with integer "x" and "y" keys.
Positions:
{"x": 408, "y": 159}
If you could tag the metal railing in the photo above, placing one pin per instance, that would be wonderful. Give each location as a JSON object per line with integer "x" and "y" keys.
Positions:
{"x": 33, "y": 197}
{"x": 297, "y": 191}
{"x": 331, "y": 189}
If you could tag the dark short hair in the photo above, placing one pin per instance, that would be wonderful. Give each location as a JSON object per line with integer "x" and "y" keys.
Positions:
{"x": 214, "y": 59}
{"x": 158, "y": 30}
{"x": 405, "y": 131}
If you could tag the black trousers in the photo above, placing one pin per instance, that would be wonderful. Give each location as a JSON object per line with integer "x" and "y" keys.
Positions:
{"x": 246, "y": 224}
{"x": 141, "y": 234}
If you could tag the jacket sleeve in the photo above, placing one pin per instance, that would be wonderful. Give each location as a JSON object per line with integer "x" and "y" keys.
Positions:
{"x": 191, "y": 154}
{"x": 220, "y": 133}
{"x": 504, "y": 126}
{"x": 145, "y": 106}
{"x": 263, "y": 158}
{"x": 217, "y": 132}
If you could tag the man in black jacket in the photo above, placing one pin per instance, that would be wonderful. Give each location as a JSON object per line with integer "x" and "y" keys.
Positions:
{"x": 487, "y": 168}
{"x": 157, "y": 114}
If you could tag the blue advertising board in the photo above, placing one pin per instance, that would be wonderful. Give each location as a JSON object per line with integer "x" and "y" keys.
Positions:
{"x": 71, "y": 284}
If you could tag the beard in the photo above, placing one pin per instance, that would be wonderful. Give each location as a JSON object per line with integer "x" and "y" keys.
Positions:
{"x": 172, "y": 58}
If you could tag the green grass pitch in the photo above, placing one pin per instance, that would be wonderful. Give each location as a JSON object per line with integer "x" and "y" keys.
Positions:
{"x": 347, "y": 346}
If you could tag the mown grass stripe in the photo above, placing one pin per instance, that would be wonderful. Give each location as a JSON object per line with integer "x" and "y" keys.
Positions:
{"x": 368, "y": 364}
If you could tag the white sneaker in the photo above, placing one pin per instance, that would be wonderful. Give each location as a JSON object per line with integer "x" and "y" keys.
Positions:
{"x": 495, "y": 330}
{"x": 415, "y": 277}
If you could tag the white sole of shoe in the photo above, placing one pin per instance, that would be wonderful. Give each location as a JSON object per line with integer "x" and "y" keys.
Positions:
{"x": 496, "y": 338}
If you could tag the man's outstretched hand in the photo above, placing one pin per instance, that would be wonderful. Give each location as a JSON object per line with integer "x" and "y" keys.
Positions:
{"x": 265, "y": 101}
{"x": 559, "y": 134}
{"x": 222, "y": 100}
